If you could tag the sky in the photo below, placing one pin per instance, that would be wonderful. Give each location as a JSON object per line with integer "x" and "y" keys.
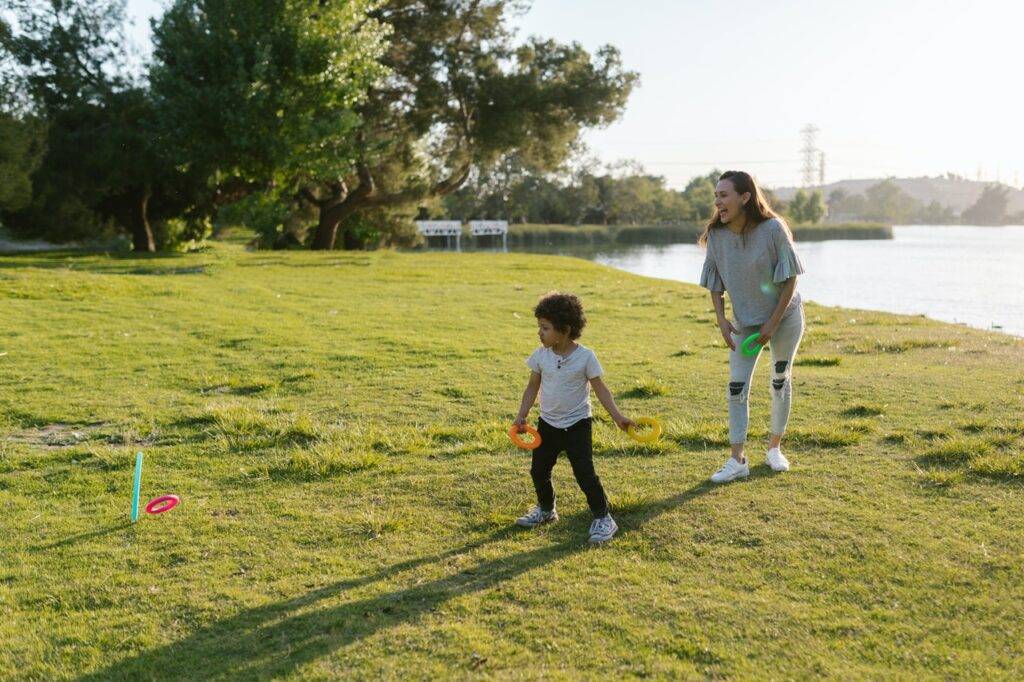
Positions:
{"x": 895, "y": 87}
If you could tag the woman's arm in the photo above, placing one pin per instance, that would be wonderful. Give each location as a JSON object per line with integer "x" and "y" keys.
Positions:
{"x": 724, "y": 325}
{"x": 529, "y": 396}
{"x": 785, "y": 296}
{"x": 605, "y": 396}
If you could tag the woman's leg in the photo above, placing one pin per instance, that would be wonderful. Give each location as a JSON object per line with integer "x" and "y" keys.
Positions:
{"x": 784, "y": 345}
{"x": 741, "y": 368}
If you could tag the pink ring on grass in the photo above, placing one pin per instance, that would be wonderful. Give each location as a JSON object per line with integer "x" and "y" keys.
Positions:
{"x": 159, "y": 505}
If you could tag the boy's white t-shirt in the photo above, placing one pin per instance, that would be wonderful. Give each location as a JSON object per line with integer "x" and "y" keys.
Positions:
{"x": 565, "y": 390}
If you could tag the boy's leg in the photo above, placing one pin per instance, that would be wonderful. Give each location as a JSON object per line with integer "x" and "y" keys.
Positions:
{"x": 544, "y": 457}
{"x": 784, "y": 345}
{"x": 580, "y": 449}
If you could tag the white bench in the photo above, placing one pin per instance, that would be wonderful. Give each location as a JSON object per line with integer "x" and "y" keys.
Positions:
{"x": 486, "y": 227}
{"x": 442, "y": 228}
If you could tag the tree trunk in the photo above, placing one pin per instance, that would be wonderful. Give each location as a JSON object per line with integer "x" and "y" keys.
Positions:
{"x": 142, "y": 233}
{"x": 327, "y": 224}
{"x": 326, "y": 230}
{"x": 365, "y": 194}
{"x": 342, "y": 204}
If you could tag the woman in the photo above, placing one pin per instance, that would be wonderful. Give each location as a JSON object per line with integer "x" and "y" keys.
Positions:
{"x": 750, "y": 254}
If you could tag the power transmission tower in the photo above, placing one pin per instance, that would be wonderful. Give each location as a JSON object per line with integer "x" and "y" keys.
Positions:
{"x": 809, "y": 151}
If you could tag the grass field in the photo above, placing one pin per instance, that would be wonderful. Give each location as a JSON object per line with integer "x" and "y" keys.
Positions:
{"x": 335, "y": 426}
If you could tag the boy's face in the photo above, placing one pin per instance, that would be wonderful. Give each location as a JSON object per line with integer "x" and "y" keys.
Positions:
{"x": 549, "y": 336}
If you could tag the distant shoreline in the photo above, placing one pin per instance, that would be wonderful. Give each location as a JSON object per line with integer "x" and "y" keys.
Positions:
{"x": 536, "y": 235}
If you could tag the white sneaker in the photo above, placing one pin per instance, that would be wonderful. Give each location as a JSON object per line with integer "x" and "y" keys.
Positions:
{"x": 602, "y": 529}
{"x": 730, "y": 471}
{"x": 536, "y": 516}
{"x": 776, "y": 460}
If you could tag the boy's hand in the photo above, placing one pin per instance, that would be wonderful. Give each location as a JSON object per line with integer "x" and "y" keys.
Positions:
{"x": 519, "y": 422}
{"x": 623, "y": 422}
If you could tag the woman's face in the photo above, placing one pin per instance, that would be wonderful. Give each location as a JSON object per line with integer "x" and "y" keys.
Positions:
{"x": 728, "y": 202}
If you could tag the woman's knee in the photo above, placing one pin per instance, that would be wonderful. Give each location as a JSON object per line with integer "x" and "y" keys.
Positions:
{"x": 738, "y": 391}
{"x": 781, "y": 374}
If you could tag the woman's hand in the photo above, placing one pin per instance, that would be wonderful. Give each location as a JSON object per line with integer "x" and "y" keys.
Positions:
{"x": 767, "y": 331}
{"x": 519, "y": 423}
{"x": 623, "y": 422}
{"x": 727, "y": 332}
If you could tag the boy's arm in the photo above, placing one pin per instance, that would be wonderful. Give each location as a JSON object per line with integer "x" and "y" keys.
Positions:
{"x": 605, "y": 396}
{"x": 529, "y": 396}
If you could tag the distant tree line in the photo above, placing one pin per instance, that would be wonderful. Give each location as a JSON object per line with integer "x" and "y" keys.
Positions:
{"x": 887, "y": 202}
{"x": 582, "y": 193}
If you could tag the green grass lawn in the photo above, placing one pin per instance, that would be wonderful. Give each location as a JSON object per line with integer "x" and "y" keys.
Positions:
{"x": 335, "y": 425}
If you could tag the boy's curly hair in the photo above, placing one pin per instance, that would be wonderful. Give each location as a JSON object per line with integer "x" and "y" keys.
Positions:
{"x": 564, "y": 311}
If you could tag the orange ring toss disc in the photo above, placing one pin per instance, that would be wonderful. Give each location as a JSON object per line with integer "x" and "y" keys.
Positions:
{"x": 652, "y": 436}
{"x": 517, "y": 439}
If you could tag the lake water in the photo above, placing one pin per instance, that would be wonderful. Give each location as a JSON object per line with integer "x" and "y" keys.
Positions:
{"x": 970, "y": 275}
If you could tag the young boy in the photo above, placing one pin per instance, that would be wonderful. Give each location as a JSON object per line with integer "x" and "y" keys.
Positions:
{"x": 563, "y": 371}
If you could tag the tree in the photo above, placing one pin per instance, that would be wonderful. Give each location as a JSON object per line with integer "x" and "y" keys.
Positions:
{"x": 21, "y": 137}
{"x": 22, "y": 142}
{"x": 633, "y": 199}
{"x": 936, "y": 214}
{"x": 260, "y": 96}
{"x": 836, "y": 197}
{"x": 624, "y": 195}
{"x": 990, "y": 208}
{"x": 101, "y": 170}
{"x": 460, "y": 95}
{"x": 700, "y": 195}
{"x": 887, "y": 202}
{"x": 845, "y": 205}
{"x": 814, "y": 209}
{"x": 796, "y": 206}
{"x": 507, "y": 189}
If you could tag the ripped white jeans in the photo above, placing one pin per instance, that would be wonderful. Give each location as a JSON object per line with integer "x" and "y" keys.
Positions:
{"x": 783, "y": 344}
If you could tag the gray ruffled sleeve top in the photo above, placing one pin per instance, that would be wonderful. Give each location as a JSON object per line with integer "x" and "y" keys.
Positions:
{"x": 752, "y": 268}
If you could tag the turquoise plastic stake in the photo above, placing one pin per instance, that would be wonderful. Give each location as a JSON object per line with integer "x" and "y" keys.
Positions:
{"x": 137, "y": 487}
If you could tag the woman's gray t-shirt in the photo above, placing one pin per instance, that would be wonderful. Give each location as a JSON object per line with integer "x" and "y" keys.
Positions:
{"x": 565, "y": 384}
{"x": 752, "y": 268}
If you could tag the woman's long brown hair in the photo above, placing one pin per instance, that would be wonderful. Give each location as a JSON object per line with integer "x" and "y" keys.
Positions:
{"x": 757, "y": 209}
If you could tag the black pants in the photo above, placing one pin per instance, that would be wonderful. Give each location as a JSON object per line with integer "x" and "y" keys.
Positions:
{"x": 577, "y": 444}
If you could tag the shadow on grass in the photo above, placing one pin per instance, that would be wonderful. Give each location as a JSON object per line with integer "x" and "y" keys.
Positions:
{"x": 72, "y": 539}
{"x": 59, "y": 257}
{"x": 276, "y": 639}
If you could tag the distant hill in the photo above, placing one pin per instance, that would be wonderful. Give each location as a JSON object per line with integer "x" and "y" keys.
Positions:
{"x": 955, "y": 192}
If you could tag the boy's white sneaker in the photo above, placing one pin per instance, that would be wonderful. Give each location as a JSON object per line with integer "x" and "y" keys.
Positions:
{"x": 776, "y": 460}
{"x": 536, "y": 516}
{"x": 602, "y": 529}
{"x": 730, "y": 471}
